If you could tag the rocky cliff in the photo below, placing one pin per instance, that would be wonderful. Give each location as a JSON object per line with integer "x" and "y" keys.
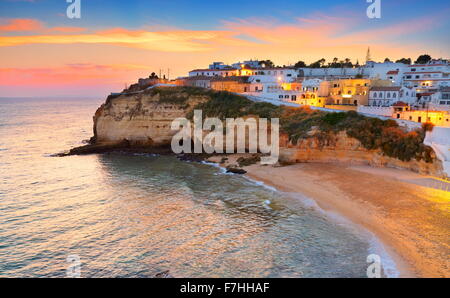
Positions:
{"x": 343, "y": 149}
{"x": 143, "y": 120}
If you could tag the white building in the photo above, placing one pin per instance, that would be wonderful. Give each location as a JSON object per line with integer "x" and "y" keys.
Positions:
{"x": 219, "y": 65}
{"x": 248, "y": 64}
{"x": 385, "y": 71}
{"x": 214, "y": 72}
{"x": 387, "y": 96}
{"x": 441, "y": 100}
{"x": 428, "y": 77}
{"x": 372, "y": 70}
{"x": 329, "y": 73}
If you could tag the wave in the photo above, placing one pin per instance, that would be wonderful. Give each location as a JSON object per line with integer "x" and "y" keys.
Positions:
{"x": 388, "y": 264}
{"x": 375, "y": 244}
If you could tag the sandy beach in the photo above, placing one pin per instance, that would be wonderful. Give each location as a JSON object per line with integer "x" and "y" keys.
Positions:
{"x": 402, "y": 209}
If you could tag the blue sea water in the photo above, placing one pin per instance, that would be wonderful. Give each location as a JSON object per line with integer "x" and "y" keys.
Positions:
{"x": 128, "y": 215}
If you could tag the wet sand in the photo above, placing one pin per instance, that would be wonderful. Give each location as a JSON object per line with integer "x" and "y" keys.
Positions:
{"x": 410, "y": 218}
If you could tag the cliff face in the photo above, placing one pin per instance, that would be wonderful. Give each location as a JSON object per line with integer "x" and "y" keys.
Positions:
{"x": 342, "y": 148}
{"x": 142, "y": 119}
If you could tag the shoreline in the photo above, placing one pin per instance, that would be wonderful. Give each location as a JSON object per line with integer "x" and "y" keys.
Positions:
{"x": 375, "y": 207}
{"x": 408, "y": 218}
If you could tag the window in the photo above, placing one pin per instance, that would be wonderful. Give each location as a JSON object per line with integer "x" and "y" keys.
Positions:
{"x": 413, "y": 69}
{"x": 388, "y": 95}
{"x": 374, "y": 95}
{"x": 280, "y": 96}
{"x": 394, "y": 95}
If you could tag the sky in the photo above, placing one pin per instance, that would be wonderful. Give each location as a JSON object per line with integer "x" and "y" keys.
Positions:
{"x": 45, "y": 53}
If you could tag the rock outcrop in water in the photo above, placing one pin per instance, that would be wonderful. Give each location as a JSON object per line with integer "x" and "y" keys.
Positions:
{"x": 140, "y": 121}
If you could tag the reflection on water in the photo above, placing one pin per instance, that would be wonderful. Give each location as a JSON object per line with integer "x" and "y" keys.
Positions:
{"x": 137, "y": 215}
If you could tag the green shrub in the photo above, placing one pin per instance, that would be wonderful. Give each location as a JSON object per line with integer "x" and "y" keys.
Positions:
{"x": 297, "y": 123}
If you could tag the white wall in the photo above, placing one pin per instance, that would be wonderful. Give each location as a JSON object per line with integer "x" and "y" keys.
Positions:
{"x": 380, "y": 111}
{"x": 439, "y": 140}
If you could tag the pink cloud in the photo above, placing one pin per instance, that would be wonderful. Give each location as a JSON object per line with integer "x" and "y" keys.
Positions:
{"x": 32, "y": 25}
{"x": 22, "y": 25}
{"x": 85, "y": 74}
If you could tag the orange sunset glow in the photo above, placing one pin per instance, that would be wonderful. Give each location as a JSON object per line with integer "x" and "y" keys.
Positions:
{"x": 69, "y": 57}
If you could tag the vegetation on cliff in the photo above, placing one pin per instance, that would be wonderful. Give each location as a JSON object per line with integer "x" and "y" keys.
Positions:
{"x": 373, "y": 133}
{"x": 303, "y": 122}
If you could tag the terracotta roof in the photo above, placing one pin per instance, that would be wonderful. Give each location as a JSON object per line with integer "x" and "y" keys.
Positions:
{"x": 392, "y": 72}
{"x": 213, "y": 70}
{"x": 241, "y": 79}
{"x": 198, "y": 78}
{"x": 387, "y": 88}
{"x": 426, "y": 94}
{"x": 420, "y": 72}
{"x": 400, "y": 104}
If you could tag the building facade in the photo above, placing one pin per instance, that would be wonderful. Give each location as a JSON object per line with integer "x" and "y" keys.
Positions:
{"x": 428, "y": 77}
{"x": 386, "y": 96}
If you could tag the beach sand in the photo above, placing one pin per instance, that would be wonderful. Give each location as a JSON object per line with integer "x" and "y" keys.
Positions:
{"x": 411, "y": 219}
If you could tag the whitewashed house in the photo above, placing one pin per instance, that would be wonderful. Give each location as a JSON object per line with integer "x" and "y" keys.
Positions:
{"x": 389, "y": 95}
{"x": 428, "y": 77}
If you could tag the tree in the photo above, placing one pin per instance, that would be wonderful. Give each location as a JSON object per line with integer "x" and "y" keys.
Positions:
{"x": 348, "y": 63}
{"x": 387, "y": 60}
{"x": 300, "y": 64}
{"x": 266, "y": 63}
{"x": 404, "y": 61}
{"x": 318, "y": 63}
{"x": 423, "y": 59}
{"x": 153, "y": 76}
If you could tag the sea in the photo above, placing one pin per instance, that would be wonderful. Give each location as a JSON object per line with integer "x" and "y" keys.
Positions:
{"x": 137, "y": 215}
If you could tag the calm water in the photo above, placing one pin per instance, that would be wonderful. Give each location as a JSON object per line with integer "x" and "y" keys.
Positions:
{"x": 138, "y": 215}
